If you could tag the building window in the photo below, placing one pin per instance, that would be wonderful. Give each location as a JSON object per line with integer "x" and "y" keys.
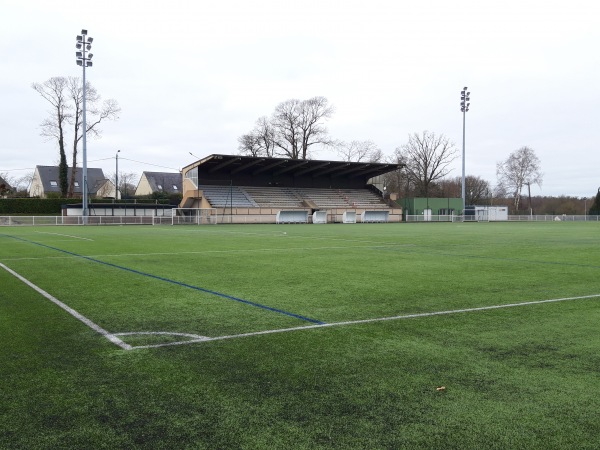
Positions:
{"x": 174, "y": 187}
{"x": 53, "y": 183}
{"x": 159, "y": 186}
{"x": 77, "y": 184}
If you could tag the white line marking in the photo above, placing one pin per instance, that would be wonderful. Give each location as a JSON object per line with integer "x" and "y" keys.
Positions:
{"x": 194, "y": 338}
{"x": 162, "y": 333}
{"x": 65, "y": 235}
{"x": 165, "y": 333}
{"x": 111, "y": 337}
{"x": 255, "y": 250}
{"x": 357, "y": 322}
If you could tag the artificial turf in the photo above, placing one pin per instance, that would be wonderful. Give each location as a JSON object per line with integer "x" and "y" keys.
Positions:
{"x": 519, "y": 377}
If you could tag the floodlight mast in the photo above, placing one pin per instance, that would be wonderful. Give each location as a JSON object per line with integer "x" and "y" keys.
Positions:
{"x": 84, "y": 43}
{"x": 464, "y": 107}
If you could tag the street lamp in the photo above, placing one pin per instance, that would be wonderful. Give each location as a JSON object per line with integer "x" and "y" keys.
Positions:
{"x": 117, "y": 175}
{"x": 84, "y": 43}
{"x": 464, "y": 107}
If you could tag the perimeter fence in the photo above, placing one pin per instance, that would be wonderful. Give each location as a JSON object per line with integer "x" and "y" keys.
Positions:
{"x": 248, "y": 219}
{"x": 511, "y": 218}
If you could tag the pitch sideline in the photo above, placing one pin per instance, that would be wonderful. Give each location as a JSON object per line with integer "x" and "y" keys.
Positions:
{"x": 194, "y": 338}
{"x": 97, "y": 328}
{"x": 355, "y": 322}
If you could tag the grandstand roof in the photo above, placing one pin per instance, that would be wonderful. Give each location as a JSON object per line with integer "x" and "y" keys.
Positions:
{"x": 240, "y": 166}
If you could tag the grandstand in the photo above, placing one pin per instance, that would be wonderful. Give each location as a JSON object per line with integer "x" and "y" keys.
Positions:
{"x": 267, "y": 190}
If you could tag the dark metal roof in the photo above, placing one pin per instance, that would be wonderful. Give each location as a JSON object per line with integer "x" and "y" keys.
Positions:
{"x": 166, "y": 181}
{"x": 47, "y": 174}
{"x": 4, "y": 184}
{"x": 250, "y": 165}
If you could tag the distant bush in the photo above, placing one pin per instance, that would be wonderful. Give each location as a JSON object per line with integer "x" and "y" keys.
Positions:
{"x": 33, "y": 206}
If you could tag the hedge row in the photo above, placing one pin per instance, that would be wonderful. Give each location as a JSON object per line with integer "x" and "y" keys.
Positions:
{"x": 52, "y": 206}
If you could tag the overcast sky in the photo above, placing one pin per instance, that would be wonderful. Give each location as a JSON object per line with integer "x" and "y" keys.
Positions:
{"x": 192, "y": 76}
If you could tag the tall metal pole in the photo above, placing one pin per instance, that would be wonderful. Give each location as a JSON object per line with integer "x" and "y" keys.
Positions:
{"x": 84, "y": 176}
{"x": 463, "y": 190}
{"x": 464, "y": 107}
{"x": 84, "y": 43}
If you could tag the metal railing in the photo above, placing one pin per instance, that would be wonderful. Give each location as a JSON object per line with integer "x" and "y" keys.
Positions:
{"x": 261, "y": 218}
{"x": 81, "y": 220}
{"x": 554, "y": 217}
{"x": 511, "y": 218}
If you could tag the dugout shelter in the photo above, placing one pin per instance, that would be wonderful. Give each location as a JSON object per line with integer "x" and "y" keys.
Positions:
{"x": 247, "y": 189}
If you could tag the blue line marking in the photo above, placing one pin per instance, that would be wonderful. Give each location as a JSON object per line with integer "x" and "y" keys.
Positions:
{"x": 178, "y": 283}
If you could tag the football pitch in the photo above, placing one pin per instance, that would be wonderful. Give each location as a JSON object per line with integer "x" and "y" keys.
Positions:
{"x": 452, "y": 335}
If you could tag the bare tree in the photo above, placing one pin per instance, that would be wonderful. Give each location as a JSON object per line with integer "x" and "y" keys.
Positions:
{"x": 109, "y": 109}
{"x": 65, "y": 94}
{"x": 260, "y": 141}
{"x": 427, "y": 158}
{"x": 313, "y": 113}
{"x": 357, "y": 151}
{"x": 286, "y": 120}
{"x": 522, "y": 167}
{"x": 398, "y": 181}
{"x": 248, "y": 145}
{"x": 15, "y": 186}
{"x": 126, "y": 183}
{"x": 53, "y": 91}
{"x": 477, "y": 190}
{"x": 292, "y": 131}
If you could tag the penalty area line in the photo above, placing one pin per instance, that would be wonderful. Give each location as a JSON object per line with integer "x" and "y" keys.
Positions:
{"x": 363, "y": 321}
{"x": 111, "y": 337}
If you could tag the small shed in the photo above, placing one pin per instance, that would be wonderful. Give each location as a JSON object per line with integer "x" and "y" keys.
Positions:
{"x": 430, "y": 206}
{"x": 486, "y": 213}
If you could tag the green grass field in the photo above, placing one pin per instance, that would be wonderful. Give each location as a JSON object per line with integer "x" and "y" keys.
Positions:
{"x": 300, "y": 336}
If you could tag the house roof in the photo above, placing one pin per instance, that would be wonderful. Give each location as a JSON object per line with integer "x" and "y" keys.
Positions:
{"x": 4, "y": 184}
{"x": 49, "y": 174}
{"x": 163, "y": 181}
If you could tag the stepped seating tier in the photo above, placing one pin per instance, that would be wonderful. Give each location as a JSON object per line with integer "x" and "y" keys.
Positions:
{"x": 227, "y": 196}
{"x": 286, "y": 197}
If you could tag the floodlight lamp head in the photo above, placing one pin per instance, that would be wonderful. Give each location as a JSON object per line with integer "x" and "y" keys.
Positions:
{"x": 79, "y": 54}
{"x": 78, "y": 45}
{"x": 88, "y": 64}
{"x": 90, "y": 40}
{"x": 465, "y": 88}
{"x": 91, "y": 55}
{"x": 79, "y": 38}
{"x": 84, "y": 32}
{"x": 79, "y": 62}
{"x": 88, "y": 47}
